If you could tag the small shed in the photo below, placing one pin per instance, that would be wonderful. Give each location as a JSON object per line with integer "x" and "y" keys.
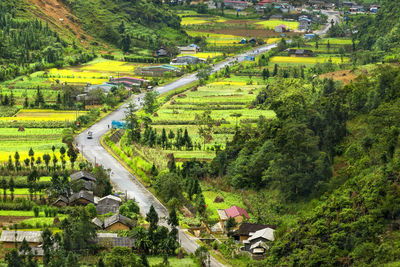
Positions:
{"x": 281, "y": 28}
{"x": 110, "y": 240}
{"x": 118, "y": 222}
{"x": 9, "y": 238}
{"x": 61, "y": 201}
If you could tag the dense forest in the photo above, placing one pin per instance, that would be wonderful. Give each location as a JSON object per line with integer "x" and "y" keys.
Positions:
{"x": 338, "y": 144}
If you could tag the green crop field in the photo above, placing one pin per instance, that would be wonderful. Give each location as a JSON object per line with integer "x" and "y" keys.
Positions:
{"x": 40, "y": 140}
{"x": 223, "y": 98}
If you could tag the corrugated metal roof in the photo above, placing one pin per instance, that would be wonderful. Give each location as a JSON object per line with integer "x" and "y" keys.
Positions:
{"x": 83, "y": 175}
{"x": 267, "y": 233}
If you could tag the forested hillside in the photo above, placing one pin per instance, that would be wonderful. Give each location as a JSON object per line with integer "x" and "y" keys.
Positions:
{"x": 128, "y": 23}
{"x": 28, "y": 45}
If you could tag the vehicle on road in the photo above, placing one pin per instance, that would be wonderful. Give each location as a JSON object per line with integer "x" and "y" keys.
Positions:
{"x": 89, "y": 135}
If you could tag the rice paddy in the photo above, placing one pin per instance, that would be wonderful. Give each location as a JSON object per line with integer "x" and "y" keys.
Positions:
{"x": 271, "y": 24}
{"x": 308, "y": 60}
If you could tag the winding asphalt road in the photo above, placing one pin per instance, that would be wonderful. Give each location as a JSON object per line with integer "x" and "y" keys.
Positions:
{"x": 121, "y": 178}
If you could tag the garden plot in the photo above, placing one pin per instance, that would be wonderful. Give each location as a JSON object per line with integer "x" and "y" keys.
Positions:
{"x": 41, "y": 140}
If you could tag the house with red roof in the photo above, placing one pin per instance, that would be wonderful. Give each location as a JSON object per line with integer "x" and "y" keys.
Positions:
{"x": 235, "y": 212}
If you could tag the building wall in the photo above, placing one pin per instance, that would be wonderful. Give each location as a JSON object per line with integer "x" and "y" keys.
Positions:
{"x": 12, "y": 244}
{"x": 243, "y": 238}
{"x": 117, "y": 226}
{"x": 239, "y": 219}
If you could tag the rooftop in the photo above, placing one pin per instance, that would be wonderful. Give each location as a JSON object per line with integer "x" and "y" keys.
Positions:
{"x": 235, "y": 211}
{"x": 83, "y": 175}
{"x": 82, "y": 194}
{"x": 247, "y": 228}
{"x": 266, "y": 233}
{"x": 29, "y": 236}
{"x": 117, "y": 218}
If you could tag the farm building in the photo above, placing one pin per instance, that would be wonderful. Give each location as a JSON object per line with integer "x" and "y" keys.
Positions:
{"x": 236, "y": 4}
{"x": 105, "y": 87}
{"x": 281, "y": 28}
{"x": 82, "y": 198}
{"x": 108, "y": 204}
{"x": 61, "y": 201}
{"x": 187, "y": 60}
{"x": 9, "y": 238}
{"x": 129, "y": 82}
{"x": 300, "y": 52}
{"x": 190, "y": 49}
{"x": 257, "y": 244}
{"x": 118, "y": 222}
{"x": 235, "y": 212}
{"x": 158, "y": 71}
{"x": 82, "y": 175}
{"x": 110, "y": 240}
{"x": 83, "y": 181}
{"x": 304, "y": 23}
{"x": 162, "y": 52}
{"x": 246, "y": 229}
{"x": 37, "y": 252}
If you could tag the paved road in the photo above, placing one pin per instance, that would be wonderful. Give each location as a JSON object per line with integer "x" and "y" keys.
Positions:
{"x": 332, "y": 15}
{"x": 120, "y": 177}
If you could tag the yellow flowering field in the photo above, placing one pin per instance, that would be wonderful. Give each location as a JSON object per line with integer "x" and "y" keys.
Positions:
{"x": 307, "y": 60}
{"x": 272, "y": 40}
{"x": 112, "y": 66}
{"x": 44, "y": 115}
{"x": 203, "y": 55}
{"x": 201, "y": 20}
{"x": 271, "y": 24}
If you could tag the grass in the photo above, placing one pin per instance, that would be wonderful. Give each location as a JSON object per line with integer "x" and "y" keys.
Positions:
{"x": 230, "y": 199}
{"x": 271, "y": 24}
{"x": 201, "y": 20}
{"x": 308, "y": 60}
{"x": 173, "y": 261}
{"x": 20, "y": 191}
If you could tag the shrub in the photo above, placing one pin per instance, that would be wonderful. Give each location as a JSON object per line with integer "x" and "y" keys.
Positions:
{"x": 36, "y": 211}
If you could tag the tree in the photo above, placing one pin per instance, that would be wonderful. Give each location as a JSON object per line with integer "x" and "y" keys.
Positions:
{"x": 120, "y": 256}
{"x": 91, "y": 210}
{"x": 47, "y": 245}
{"x": 143, "y": 260}
{"x": 154, "y": 171}
{"x": 39, "y": 99}
{"x": 16, "y": 161}
{"x": 13, "y": 259}
{"x": 46, "y": 158}
{"x": 275, "y": 70}
{"x": 3, "y": 185}
{"x": 204, "y": 74}
{"x": 132, "y": 122}
{"x": 152, "y": 218}
{"x": 72, "y": 156}
{"x": 150, "y": 101}
{"x": 202, "y": 255}
{"x": 126, "y": 43}
{"x": 130, "y": 209}
{"x": 237, "y": 116}
{"x": 11, "y": 186}
{"x": 230, "y": 223}
{"x": 265, "y": 74}
{"x": 205, "y": 126}
{"x": 173, "y": 219}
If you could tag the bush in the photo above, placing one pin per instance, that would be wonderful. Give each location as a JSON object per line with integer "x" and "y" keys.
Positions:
{"x": 36, "y": 211}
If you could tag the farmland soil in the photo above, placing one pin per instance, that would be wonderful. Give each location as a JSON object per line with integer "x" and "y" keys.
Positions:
{"x": 258, "y": 33}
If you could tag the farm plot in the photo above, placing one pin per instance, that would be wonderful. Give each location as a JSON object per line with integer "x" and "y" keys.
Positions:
{"x": 44, "y": 115}
{"x": 309, "y": 60}
{"x": 271, "y": 24}
{"x": 201, "y": 20}
{"x": 204, "y": 55}
{"x": 40, "y": 140}
{"x": 229, "y": 103}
